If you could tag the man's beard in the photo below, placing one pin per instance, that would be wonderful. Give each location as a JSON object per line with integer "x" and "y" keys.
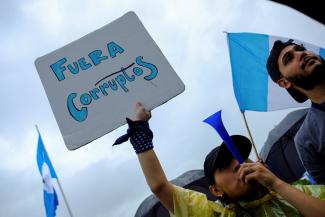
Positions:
{"x": 314, "y": 79}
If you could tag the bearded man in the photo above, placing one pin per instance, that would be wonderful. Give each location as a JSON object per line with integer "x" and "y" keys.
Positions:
{"x": 302, "y": 73}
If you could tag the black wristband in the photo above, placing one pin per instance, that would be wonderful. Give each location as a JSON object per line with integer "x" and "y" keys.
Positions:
{"x": 140, "y": 136}
{"x": 141, "y": 140}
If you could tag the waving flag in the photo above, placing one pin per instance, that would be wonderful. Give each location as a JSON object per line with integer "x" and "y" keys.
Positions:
{"x": 254, "y": 89}
{"x": 47, "y": 171}
{"x": 215, "y": 121}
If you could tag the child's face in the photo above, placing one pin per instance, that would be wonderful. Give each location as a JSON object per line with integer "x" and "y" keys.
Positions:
{"x": 228, "y": 181}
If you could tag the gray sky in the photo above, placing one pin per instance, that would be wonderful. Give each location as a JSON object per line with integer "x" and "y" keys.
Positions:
{"x": 98, "y": 180}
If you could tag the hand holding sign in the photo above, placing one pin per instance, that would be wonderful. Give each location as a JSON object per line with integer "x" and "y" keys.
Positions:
{"x": 141, "y": 114}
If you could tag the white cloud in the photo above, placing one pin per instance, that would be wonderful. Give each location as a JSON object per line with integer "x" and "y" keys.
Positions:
{"x": 49, "y": 14}
{"x": 18, "y": 153}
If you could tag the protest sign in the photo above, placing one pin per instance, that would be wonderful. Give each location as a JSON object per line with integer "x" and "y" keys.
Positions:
{"x": 94, "y": 82}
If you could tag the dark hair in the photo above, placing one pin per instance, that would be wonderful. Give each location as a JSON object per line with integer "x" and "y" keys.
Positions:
{"x": 272, "y": 62}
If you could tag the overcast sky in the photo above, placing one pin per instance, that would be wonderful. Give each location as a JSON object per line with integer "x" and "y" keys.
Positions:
{"x": 98, "y": 180}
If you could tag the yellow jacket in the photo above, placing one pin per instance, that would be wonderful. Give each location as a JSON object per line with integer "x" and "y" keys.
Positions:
{"x": 189, "y": 203}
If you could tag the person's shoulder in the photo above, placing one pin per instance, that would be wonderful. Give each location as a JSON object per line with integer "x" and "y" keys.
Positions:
{"x": 305, "y": 129}
{"x": 315, "y": 118}
{"x": 188, "y": 192}
{"x": 309, "y": 128}
{"x": 189, "y": 202}
{"x": 316, "y": 113}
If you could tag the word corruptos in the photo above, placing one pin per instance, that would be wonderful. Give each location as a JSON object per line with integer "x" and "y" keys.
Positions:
{"x": 112, "y": 82}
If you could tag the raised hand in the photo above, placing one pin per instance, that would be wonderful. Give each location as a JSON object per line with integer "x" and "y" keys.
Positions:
{"x": 141, "y": 114}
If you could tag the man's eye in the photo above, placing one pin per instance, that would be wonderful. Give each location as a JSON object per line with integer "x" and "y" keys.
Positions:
{"x": 288, "y": 58}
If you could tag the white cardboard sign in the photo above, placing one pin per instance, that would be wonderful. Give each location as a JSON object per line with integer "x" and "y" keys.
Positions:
{"x": 94, "y": 82}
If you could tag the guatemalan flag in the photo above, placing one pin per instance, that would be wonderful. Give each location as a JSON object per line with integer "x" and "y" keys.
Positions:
{"x": 254, "y": 89}
{"x": 47, "y": 171}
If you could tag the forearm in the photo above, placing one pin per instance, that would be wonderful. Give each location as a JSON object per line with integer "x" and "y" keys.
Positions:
{"x": 156, "y": 178}
{"x": 152, "y": 170}
{"x": 307, "y": 205}
{"x": 141, "y": 137}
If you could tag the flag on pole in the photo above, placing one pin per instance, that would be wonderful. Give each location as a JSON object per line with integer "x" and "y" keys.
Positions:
{"x": 254, "y": 89}
{"x": 215, "y": 121}
{"x": 47, "y": 171}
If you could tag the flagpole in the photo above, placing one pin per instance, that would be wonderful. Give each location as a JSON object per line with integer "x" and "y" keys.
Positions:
{"x": 65, "y": 200}
{"x": 57, "y": 180}
{"x": 250, "y": 136}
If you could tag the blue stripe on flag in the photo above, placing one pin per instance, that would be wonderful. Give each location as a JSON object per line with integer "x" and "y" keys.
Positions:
{"x": 51, "y": 202}
{"x": 322, "y": 52}
{"x": 42, "y": 157}
{"x": 249, "y": 51}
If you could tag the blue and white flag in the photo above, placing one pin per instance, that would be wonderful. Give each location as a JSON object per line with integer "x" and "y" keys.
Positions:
{"x": 47, "y": 171}
{"x": 254, "y": 89}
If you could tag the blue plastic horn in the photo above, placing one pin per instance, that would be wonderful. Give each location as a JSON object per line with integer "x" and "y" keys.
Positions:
{"x": 216, "y": 122}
